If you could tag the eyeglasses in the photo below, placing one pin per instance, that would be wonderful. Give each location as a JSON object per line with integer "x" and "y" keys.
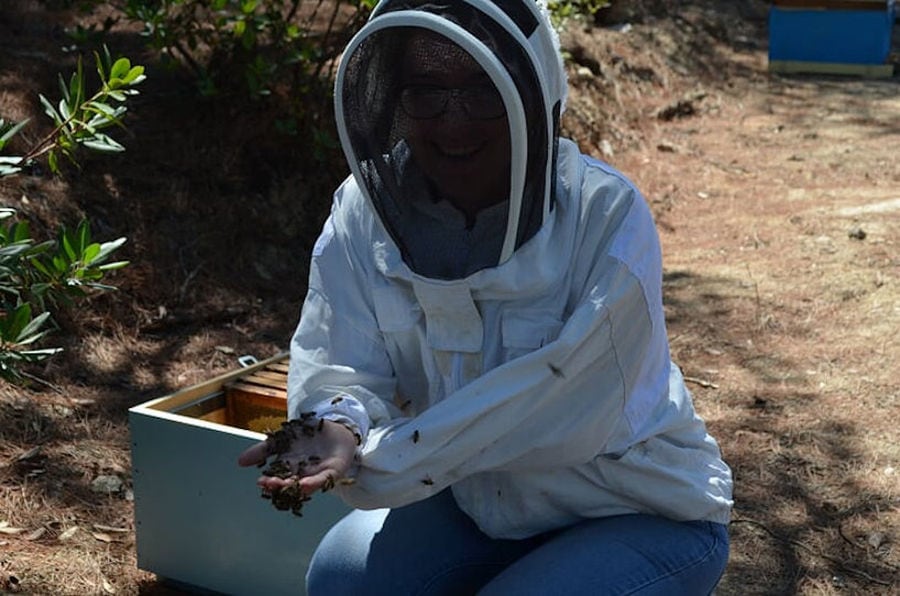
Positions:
{"x": 424, "y": 102}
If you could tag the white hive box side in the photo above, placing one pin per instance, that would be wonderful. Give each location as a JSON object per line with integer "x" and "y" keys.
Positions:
{"x": 199, "y": 517}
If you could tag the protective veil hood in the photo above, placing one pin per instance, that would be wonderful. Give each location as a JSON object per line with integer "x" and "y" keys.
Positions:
{"x": 515, "y": 46}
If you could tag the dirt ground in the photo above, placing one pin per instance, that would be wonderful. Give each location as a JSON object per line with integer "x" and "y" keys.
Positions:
{"x": 778, "y": 204}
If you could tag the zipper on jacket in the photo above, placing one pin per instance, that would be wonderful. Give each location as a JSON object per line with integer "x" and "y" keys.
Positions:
{"x": 456, "y": 372}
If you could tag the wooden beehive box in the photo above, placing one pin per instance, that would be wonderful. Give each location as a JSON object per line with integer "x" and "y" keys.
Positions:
{"x": 831, "y": 36}
{"x": 200, "y": 522}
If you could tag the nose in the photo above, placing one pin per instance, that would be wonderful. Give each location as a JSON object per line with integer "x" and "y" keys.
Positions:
{"x": 456, "y": 104}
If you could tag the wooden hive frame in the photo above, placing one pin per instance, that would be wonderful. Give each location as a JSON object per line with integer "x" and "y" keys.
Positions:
{"x": 257, "y": 401}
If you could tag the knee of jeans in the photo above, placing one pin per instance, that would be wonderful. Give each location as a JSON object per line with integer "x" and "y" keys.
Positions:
{"x": 338, "y": 564}
{"x": 324, "y": 576}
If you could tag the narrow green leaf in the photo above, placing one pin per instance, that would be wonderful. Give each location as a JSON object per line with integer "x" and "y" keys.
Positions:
{"x": 100, "y": 69}
{"x": 21, "y": 232}
{"x": 82, "y": 238}
{"x": 12, "y": 130}
{"x": 38, "y": 355}
{"x": 14, "y": 250}
{"x": 30, "y": 333}
{"x": 90, "y": 253}
{"x": 67, "y": 243}
{"x": 53, "y": 162}
{"x": 6, "y": 170}
{"x": 60, "y": 265}
{"x": 107, "y": 248}
{"x": 43, "y": 247}
{"x": 16, "y": 322}
{"x": 50, "y": 110}
{"x": 76, "y": 83}
{"x": 113, "y": 266}
{"x": 64, "y": 110}
{"x": 135, "y": 75}
{"x": 37, "y": 264}
{"x": 39, "y": 289}
{"x": 101, "y": 142}
{"x": 104, "y": 108}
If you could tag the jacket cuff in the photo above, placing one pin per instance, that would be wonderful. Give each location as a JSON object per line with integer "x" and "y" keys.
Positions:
{"x": 346, "y": 410}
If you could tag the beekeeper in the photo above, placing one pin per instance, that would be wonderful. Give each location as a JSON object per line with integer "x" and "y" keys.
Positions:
{"x": 484, "y": 336}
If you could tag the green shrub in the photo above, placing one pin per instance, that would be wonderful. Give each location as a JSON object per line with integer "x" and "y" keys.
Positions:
{"x": 37, "y": 278}
{"x": 561, "y": 12}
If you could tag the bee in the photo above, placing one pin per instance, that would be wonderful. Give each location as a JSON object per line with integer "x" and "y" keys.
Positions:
{"x": 329, "y": 484}
{"x": 307, "y": 415}
{"x": 415, "y": 436}
{"x": 321, "y": 424}
{"x": 279, "y": 468}
{"x": 427, "y": 481}
{"x": 280, "y": 440}
{"x": 337, "y": 400}
{"x": 557, "y": 372}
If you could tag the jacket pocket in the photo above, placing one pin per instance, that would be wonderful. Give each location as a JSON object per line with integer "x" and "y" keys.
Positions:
{"x": 526, "y": 330}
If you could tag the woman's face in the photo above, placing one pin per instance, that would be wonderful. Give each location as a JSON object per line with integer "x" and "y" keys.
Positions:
{"x": 458, "y": 130}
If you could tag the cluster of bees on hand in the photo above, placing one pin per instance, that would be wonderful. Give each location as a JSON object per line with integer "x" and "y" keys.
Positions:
{"x": 292, "y": 497}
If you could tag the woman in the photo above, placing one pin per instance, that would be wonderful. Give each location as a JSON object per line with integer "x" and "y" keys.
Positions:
{"x": 484, "y": 340}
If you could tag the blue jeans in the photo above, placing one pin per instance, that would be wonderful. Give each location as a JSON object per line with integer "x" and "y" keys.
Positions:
{"x": 432, "y": 547}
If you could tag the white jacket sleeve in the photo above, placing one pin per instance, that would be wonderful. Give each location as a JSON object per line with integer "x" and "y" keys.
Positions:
{"x": 557, "y": 406}
{"x": 339, "y": 367}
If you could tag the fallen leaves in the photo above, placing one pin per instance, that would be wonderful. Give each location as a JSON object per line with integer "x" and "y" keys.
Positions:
{"x": 36, "y": 534}
{"x": 107, "y": 534}
{"x": 105, "y": 528}
{"x": 30, "y": 454}
{"x": 5, "y": 528}
{"x": 101, "y": 532}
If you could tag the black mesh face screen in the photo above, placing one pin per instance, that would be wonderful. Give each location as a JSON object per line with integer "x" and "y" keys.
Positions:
{"x": 429, "y": 131}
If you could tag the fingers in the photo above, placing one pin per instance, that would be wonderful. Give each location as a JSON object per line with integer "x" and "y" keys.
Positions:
{"x": 323, "y": 480}
{"x": 274, "y": 483}
{"x": 255, "y": 455}
{"x": 309, "y": 456}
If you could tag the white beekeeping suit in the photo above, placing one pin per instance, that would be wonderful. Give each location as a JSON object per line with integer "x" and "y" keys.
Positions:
{"x": 516, "y": 353}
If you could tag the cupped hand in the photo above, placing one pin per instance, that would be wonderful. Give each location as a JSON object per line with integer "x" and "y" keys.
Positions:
{"x": 311, "y": 454}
